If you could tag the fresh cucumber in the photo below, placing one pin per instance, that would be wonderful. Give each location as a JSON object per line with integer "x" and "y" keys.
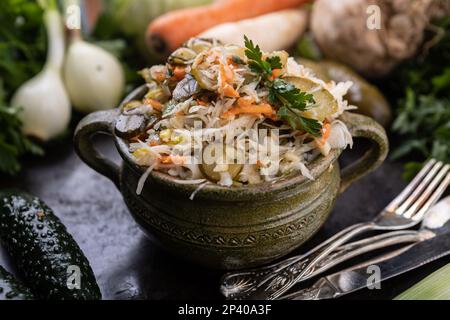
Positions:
{"x": 45, "y": 253}
{"x": 11, "y": 289}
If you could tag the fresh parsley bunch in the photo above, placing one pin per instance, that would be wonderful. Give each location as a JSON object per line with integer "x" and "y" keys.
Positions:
{"x": 422, "y": 124}
{"x": 22, "y": 54}
{"x": 13, "y": 144}
{"x": 289, "y": 99}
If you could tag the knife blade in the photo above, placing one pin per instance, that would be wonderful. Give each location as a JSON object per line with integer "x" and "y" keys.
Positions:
{"x": 390, "y": 265}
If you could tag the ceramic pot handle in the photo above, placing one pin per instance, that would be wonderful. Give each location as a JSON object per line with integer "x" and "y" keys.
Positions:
{"x": 364, "y": 127}
{"x": 94, "y": 123}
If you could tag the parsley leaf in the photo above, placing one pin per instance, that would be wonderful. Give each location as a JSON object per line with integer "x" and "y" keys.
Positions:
{"x": 288, "y": 93}
{"x": 13, "y": 143}
{"x": 421, "y": 89}
{"x": 255, "y": 57}
{"x": 296, "y": 121}
{"x": 22, "y": 55}
{"x": 293, "y": 100}
{"x": 289, "y": 98}
{"x": 275, "y": 62}
{"x": 312, "y": 126}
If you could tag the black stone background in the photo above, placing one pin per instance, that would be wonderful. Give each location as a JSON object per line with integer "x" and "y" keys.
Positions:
{"x": 130, "y": 266}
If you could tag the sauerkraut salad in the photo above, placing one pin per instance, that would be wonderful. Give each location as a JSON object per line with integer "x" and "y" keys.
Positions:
{"x": 208, "y": 97}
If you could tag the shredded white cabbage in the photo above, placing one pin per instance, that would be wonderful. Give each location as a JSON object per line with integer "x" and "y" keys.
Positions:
{"x": 219, "y": 109}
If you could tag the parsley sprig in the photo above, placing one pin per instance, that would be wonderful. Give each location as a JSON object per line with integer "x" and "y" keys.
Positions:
{"x": 290, "y": 100}
{"x": 257, "y": 63}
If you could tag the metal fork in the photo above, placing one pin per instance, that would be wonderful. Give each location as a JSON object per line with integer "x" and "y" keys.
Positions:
{"x": 353, "y": 249}
{"x": 405, "y": 211}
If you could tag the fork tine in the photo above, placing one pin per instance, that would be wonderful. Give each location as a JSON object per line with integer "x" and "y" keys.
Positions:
{"x": 418, "y": 190}
{"x": 411, "y": 186}
{"x": 429, "y": 197}
{"x": 433, "y": 199}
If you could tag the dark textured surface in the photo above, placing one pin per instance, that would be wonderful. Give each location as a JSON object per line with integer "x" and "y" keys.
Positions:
{"x": 128, "y": 265}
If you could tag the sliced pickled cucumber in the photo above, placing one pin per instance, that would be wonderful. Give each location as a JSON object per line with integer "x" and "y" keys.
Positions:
{"x": 367, "y": 97}
{"x": 183, "y": 56}
{"x": 207, "y": 167}
{"x": 202, "y": 78}
{"x": 326, "y": 104}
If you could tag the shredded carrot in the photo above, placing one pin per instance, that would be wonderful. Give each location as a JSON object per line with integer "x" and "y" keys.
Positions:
{"x": 166, "y": 159}
{"x": 171, "y": 159}
{"x": 245, "y": 102}
{"x": 326, "y": 130}
{"x": 178, "y": 73}
{"x": 226, "y": 80}
{"x": 263, "y": 108}
{"x": 227, "y": 73}
{"x": 153, "y": 143}
{"x": 229, "y": 91}
{"x": 154, "y": 103}
{"x": 231, "y": 62}
{"x": 275, "y": 74}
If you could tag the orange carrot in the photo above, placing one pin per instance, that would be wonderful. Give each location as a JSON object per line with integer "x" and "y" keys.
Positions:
{"x": 326, "y": 130}
{"x": 262, "y": 108}
{"x": 171, "y": 159}
{"x": 276, "y": 73}
{"x": 178, "y": 73}
{"x": 169, "y": 31}
{"x": 245, "y": 102}
{"x": 229, "y": 91}
{"x": 166, "y": 160}
{"x": 226, "y": 78}
{"x": 226, "y": 72}
{"x": 154, "y": 103}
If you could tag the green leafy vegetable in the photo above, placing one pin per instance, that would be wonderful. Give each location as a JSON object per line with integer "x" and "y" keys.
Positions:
{"x": 12, "y": 143}
{"x": 423, "y": 114}
{"x": 23, "y": 43}
{"x": 275, "y": 62}
{"x": 289, "y": 98}
{"x": 436, "y": 286}
{"x": 22, "y": 54}
{"x": 256, "y": 62}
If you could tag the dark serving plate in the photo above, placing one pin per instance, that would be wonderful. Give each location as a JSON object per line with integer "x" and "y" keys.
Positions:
{"x": 130, "y": 266}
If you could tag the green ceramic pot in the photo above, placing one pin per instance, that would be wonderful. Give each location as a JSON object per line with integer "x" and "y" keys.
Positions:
{"x": 236, "y": 227}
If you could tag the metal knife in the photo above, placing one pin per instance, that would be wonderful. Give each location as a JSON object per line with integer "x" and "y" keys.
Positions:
{"x": 390, "y": 265}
